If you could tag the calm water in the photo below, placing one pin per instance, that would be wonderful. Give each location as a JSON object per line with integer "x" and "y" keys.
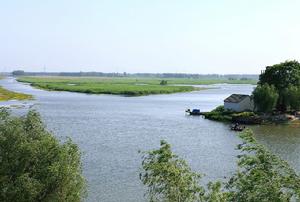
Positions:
{"x": 111, "y": 129}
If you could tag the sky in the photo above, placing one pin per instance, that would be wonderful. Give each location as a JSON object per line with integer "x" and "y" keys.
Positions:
{"x": 179, "y": 36}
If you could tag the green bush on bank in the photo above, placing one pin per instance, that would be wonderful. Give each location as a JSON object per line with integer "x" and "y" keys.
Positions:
{"x": 219, "y": 114}
{"x": 35, "y": 166}
{"x": 243, "y": 114}
{"x": 224, "y": 115}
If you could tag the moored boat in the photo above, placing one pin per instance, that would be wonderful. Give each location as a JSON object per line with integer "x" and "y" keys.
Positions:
{"x": 237, "y": 127}
{"x": 193, "y": 112}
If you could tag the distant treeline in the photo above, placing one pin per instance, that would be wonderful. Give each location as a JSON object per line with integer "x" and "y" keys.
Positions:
{"x": 149, "y": 75}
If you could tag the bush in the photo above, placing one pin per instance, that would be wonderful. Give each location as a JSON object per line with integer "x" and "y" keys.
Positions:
{"x": 220, "y": 109}
{"x": 219, "y": 114}
{"x": 244, "y": 115}
{"x": 34, "y": 165}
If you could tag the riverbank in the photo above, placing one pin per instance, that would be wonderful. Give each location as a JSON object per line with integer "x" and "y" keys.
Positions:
{"x": 223, "y": 115}
{"x": 6, "y": 95}
{"x": 249, "y": 118}
{"x": 115, "y": 86}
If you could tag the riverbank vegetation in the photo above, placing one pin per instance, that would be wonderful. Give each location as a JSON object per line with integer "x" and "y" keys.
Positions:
{"x": 224, "y": 115}
{"x": 10, "y": 95}
{"x": 279, "y": 88}
{"x": 35, "y": 166}
{"x": 261, "y": 176}
{"x": 276, "y": 97}
{"x": 118, "y": 86}
{"x": 137, "y": 80}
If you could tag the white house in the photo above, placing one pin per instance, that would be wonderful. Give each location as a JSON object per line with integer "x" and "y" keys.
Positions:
{"x": 239, "y": 103}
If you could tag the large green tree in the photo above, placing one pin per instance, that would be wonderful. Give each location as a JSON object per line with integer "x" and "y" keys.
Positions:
{"x": 34, "y": 165}
{"x": 282, "y": 76}
{"x": 292, "y": 95}
{"x": 265, "y": 98}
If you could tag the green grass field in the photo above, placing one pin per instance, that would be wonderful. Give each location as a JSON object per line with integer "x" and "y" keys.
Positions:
{"x": 10, "y": 95}
{"x": 120, "y": 86}
{"x": 117, "y": 86}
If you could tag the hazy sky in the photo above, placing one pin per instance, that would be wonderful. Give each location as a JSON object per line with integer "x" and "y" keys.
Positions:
{"x": 212, "y": 36}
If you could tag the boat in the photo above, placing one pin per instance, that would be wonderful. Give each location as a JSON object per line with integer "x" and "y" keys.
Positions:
{"x": 193, "y": 112}
{"x": 237, "y": 127}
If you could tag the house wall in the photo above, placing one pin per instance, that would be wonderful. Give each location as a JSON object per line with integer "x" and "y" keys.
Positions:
{"x": 246, "y": 104}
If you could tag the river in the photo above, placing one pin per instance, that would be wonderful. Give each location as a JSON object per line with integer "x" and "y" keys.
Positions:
{"x": 110, "y": 131}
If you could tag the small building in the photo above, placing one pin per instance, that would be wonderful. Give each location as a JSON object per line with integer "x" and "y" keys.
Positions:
{"x": 239, "y": 103}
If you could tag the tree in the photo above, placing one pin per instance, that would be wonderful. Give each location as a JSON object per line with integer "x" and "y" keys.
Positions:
{"x": 163, "y": 82}
{"x": 18, "y": 73}
{"x": 34, "y": 165}
{"x": 281, "y": 76}
{"x": 261, "y": 176}
{"x": 265, "y": 97}
{"x": 168, "y": 177}
{"x": 293, "y": 97}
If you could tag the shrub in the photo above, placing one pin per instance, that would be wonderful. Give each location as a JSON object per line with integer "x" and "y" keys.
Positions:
{"x": 243, "y": 114}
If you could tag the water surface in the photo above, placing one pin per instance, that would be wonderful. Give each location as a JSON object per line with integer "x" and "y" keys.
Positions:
{"x": 110, "y": 131}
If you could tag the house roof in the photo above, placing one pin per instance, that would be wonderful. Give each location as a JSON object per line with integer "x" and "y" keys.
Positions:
{"x": 236, "y": 98}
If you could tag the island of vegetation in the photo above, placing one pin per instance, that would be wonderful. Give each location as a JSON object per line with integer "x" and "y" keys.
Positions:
{"x": 106, "y": 85}
{"x": 276, "y": 97}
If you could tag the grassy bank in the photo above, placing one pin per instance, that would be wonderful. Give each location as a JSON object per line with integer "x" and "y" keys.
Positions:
{"x": 130, "y": 80}
{"x": 223, "y": 115}
{"x": 10, "y": 95}
{"x": 101, "y": 85}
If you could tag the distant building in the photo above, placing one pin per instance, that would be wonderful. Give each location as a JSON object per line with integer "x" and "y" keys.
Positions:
{"x": 239, "y": 103}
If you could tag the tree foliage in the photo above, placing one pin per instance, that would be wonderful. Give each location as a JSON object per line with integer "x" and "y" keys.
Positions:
{"x": 265, "y": 98}
{"x": 18, "y": 73}
{"x": 34, "y": 165}
{"x": 292, "y": 95}
{"x": 163, "y": 82}
{"x": 168, "y": 177}
{"x": 281, "y": 76}
{"x": 261, "y": 176}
